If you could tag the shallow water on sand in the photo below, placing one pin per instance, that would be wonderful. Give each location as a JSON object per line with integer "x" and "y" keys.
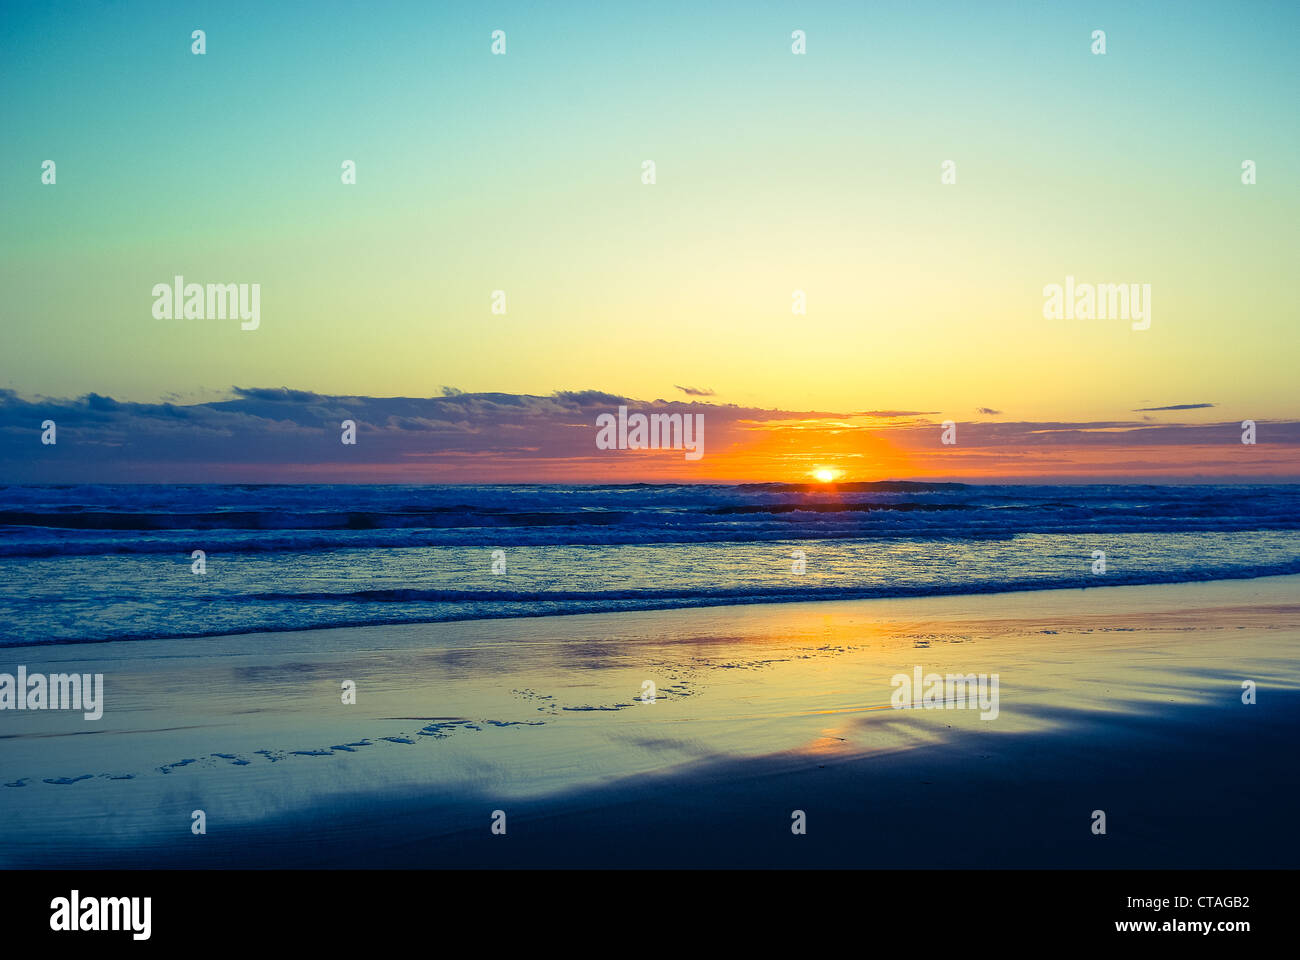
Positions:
{"x": 252, "y": 731}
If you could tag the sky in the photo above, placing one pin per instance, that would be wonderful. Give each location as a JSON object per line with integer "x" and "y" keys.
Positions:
{"x": 774, "y": 173}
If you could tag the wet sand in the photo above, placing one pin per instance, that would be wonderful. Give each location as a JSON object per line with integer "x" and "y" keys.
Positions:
{"x": 1122, "y": 699}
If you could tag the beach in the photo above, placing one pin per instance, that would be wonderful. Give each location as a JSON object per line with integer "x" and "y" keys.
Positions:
{"x": 1123, "y": 699}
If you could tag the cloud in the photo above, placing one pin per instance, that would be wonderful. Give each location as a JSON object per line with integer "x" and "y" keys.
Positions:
{"x": 1175, "y": 406}
{"x": 988, "y": 411}
{"x": 696, "y": 391}
{"x": 280, "y": 434}
{"x": 274, "y": 394}
{"x": 892, "y": 414}
{"x": 582, "y": 398}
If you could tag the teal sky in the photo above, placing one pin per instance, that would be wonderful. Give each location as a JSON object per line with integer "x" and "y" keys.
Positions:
{"x": 775, "y": 173}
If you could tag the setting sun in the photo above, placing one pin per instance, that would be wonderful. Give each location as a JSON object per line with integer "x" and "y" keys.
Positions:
{"x": 824, "y": 476}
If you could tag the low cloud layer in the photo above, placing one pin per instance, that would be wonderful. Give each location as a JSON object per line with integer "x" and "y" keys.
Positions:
{"x": 279, "y": 434}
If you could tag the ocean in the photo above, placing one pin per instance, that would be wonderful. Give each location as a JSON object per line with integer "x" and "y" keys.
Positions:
{"x": 116, "y": 562}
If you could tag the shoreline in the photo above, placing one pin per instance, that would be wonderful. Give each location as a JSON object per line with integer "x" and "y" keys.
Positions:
{"x": 670, "y": 606}
{"x": 1132, "y": 694}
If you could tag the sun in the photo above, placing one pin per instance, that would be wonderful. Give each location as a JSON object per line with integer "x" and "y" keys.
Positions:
{"x": 823, "y": 475}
